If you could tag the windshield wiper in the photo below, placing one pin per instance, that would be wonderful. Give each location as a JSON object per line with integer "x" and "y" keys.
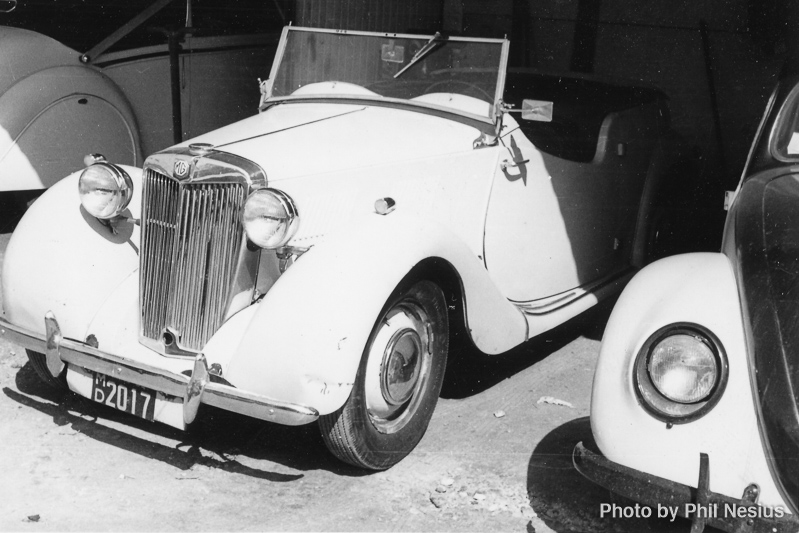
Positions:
{"x": 423, "y": 51}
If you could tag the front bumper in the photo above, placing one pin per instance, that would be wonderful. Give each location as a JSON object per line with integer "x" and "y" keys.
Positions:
{"x": 194, "y": 389}
{"x": 700, "y": 505}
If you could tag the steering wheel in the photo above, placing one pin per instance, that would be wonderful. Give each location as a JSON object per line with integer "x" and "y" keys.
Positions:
{"x": 473, "y": 90}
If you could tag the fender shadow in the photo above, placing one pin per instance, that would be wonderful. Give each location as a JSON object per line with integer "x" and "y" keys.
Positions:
{"x": 226, "y": 435}
{"x": 569, "y": 503}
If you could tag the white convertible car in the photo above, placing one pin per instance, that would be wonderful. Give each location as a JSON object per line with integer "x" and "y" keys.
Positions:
{"x": 311, "y": 262}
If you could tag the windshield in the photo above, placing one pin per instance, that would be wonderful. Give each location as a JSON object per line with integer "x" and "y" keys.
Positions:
{"x": 464, "y": 75}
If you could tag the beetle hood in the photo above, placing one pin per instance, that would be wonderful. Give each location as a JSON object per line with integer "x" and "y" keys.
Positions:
{"x": 767, "y": 248}
{"x": 300, "y": 139}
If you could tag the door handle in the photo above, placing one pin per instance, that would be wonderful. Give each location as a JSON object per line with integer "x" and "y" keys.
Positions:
{"x": 505, "y": 164}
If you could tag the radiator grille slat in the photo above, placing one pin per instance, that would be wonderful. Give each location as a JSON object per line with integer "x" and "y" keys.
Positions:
{"x": 191, "y": 238}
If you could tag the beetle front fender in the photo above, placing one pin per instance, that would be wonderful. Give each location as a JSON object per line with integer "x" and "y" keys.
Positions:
{"x": 305, "y": 340}
{"x": 698, "y": 288}
{"x": 64, "y": 260}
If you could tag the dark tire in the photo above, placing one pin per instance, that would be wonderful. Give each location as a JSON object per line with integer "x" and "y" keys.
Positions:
{"x": 39, "y": 364}
{"x": 398, "y": 382}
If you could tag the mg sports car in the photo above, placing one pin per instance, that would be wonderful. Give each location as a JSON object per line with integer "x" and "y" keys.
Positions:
{"x": 310, "y": 263}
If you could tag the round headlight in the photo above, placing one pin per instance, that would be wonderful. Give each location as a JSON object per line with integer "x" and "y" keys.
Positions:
{"x": 269, "y": 218}
{"x": 680, "y": 372}
{"x": 105, "y": 190}
{"x": 683, "y": 368}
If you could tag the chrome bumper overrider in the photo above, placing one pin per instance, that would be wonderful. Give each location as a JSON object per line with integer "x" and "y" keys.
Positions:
{"x": 194, "y": 389}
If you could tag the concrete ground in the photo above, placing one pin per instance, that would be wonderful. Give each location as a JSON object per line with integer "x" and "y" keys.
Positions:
{"x": 493, "y": 459}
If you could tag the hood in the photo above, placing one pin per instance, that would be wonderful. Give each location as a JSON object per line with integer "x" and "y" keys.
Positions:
{"x": 290, "y": 140}
{"x": 767, "y": 249}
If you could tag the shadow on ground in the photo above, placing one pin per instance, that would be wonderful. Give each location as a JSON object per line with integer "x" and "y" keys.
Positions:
{"x": 217, "y": 439}
{"x": 569, "y": 503}
{"x": 226, "y": 441}
{"x": 471, "y": 372}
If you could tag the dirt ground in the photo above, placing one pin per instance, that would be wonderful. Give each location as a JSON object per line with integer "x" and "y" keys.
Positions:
{"x": 493, "y": 459}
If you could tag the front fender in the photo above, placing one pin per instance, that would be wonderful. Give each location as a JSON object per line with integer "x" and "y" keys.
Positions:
{"x": 698, "y": 288}
{"x": 52, "y": 118}
{"x": 304, "y": 341}
{"x": 64, "y": 260}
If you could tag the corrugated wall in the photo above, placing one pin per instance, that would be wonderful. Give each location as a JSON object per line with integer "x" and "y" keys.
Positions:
{"x": 371, "y": 15}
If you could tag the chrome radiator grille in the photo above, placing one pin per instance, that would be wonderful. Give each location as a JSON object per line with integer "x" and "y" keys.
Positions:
{"x": 190, "y": 243}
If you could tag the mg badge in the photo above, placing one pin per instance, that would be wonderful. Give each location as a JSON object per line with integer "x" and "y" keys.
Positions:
{"x": 181, "y": 169}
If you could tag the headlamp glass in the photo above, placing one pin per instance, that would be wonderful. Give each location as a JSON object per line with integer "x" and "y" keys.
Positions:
{"x": 269, "y": 218}
{"x": 683, "y": 368}
{"x": 105, "y": 190}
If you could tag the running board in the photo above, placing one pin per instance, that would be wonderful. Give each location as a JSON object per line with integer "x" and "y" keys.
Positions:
{"x": 556, "y": 302}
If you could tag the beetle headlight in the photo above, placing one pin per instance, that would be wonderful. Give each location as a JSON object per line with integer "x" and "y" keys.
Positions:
{"x": 269, "y": 218}
{"x": 680, "y": 372}
{"x": 105, "y": 190}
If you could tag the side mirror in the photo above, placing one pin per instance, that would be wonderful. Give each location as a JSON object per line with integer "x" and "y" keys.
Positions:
{"x": 537, "y": 110}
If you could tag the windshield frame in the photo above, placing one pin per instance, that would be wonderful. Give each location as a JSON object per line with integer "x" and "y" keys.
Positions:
{"x": 483, "y": 121}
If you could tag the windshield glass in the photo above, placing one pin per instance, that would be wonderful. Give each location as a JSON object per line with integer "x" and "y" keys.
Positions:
{"x": 464, "y": 75}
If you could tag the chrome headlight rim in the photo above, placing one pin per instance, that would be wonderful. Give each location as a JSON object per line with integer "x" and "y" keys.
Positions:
{"x": 654, "y": 401}
{"x": 290, "y": 227}
{"x": 123, "y": 182}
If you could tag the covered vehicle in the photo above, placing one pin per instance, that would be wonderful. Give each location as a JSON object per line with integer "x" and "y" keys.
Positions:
{"x": 124, "y": 79}
{"x": 695, "y": 396}
{"x": 311, "y": 262}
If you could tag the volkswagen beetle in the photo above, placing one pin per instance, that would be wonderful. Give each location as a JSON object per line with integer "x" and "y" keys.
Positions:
{"x": 311, "y": 262}
{"x": 694, "y": 403}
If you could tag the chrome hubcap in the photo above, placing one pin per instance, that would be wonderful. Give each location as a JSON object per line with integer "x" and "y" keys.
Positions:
{"x": 401, "y": 366}
{"x": 397, "y": 367}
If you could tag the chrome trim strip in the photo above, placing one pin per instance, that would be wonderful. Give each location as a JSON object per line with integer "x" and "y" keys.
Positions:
{"x": 394, "y": 35}
{"x": 503, "y": 72}
{"x": 555, "y": 302}
{"x": 216, "y": 394}
{"x": 482, "y": 123}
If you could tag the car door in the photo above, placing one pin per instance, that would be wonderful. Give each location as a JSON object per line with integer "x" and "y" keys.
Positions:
{"x": 557, "y": 223}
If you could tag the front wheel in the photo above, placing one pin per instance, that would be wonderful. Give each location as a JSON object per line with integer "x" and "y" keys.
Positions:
{"x": 39, "y": 364}
{"x": 398, "y": 382}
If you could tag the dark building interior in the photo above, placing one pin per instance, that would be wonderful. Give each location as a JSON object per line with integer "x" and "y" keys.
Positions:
{"x": 716, "y": 61}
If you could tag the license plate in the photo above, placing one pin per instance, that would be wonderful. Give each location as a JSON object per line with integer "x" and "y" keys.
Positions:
{"x": 125, "y": 397}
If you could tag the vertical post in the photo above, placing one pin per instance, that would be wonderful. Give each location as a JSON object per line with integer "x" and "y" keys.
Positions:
{"x": 711, "y": 85}
{"x": 174, "y": 75}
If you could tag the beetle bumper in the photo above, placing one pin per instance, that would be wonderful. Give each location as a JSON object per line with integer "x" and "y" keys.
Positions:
{"x": 194, "y": 389}
{"x": 700, "y": 505}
